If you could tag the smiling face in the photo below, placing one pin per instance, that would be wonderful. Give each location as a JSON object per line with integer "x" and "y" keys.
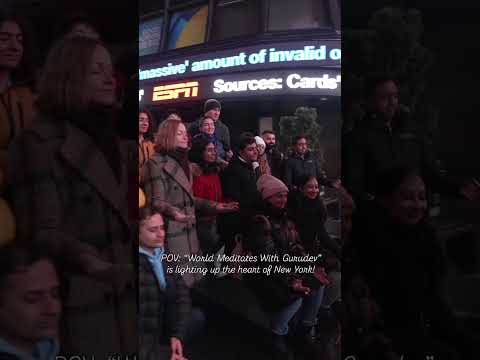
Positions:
{"x": 408, "y": 204}
{"x": 269, "y": 139}
{"x": 311, "y": 189}
{"x": 11, "y": 45}
{"x": 100, "y": 81}
{"x": 208, "y": 126}
{"x": 30, "y": 305}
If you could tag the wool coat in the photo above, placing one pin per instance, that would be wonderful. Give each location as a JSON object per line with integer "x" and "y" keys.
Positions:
{"x": 167, "y": 188}
{"x": 66, "y": 198}
{"x": 146, "y": 149}
{"x": 16, "y": 114}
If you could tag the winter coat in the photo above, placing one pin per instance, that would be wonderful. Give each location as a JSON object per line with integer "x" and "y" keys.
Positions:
{"x": 166, "y": 188}
{"x": 163, "y": 313}
{"x": 373, "y": 148}
{"x": 16, "y": 114}
{"x": 297, "y": 167}
{"x": 276, "y": 161}
{"x": 309, "y": 217}
{"x": 66, "y": 198}
{"x": 222, "y": 133}
{"x": 146, "y": 149}
{"x": 239, "y": 183}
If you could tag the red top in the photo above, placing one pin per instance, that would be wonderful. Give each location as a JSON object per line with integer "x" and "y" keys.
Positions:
{"x": 208, "y": 187}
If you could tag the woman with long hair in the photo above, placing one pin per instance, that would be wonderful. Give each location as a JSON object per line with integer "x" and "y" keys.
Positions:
{"x": 146, "y": 147}
{"x": 206, "y": 185}
{"x": 69, "y": 186}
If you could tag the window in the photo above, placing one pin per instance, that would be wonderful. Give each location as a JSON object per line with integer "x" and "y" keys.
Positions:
{"x": 187, "y": 27}
{"x": 235, "y": 18}
{"x": 298, "y": 14}
{"x": 149, "y": 36}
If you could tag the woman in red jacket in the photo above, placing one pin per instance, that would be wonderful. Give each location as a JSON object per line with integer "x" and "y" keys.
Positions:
{"x": 206, "y": 185}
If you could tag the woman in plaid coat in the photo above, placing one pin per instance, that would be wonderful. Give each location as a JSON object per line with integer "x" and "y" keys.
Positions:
{"x": 168, "y": 189}
{"x": 69, "y": 191}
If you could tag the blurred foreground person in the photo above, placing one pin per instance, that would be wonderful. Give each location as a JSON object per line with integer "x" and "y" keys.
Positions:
{"x": 30, "y": 305}
{"x": 405, "y": 267}
{"x": 69, "y": 192}
{"x": 16, "y": 95}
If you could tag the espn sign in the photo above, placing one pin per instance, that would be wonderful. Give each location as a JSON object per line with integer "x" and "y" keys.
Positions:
{"x": 174, "y": 91}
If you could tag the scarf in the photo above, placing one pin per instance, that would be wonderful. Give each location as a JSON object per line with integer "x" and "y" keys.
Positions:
{"x": 155, "y": 260}
{"x": 181, "y": 155}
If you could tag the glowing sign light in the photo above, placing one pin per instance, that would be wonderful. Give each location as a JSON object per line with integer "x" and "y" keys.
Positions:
{"x": 141, "y": 92}
{"x": 293, "y": 81}
{"x": 173, "y": 91}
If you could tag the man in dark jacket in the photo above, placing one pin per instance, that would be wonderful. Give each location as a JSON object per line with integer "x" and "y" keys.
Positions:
{"x": 303, "y": 164}
{"x": 274, "y": 156}
{"x": 239, "y": 183}
{"x": 30, "y": 305}
{"x": 385, "y": 138}
{"x": 212, "y": 109}
{"x": 164, "y": 298}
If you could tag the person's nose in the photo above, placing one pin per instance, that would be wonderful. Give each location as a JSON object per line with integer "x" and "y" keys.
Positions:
{"x": 52, "y": 306}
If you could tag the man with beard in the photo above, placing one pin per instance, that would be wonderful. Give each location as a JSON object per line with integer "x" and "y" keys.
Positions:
{"x": 274, "y": 156}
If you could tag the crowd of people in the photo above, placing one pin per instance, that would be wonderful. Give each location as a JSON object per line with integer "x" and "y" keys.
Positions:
{"x": 394, "y": 265}
{"x": 71, "y": 264}
{"x": 218, "y": 199}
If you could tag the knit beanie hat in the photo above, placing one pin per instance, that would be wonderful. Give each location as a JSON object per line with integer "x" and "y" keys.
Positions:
{"x": 211, "y": 104}
{"x": 268, "y": 185}
{"x": 260, "y": 145}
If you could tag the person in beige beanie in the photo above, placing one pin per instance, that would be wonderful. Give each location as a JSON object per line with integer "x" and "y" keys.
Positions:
{"x": 268, "y": 185}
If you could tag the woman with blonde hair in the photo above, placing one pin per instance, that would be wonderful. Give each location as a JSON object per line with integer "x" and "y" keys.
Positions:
{"x": 69, "y": 186}
{"x": 168, "y": 189}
